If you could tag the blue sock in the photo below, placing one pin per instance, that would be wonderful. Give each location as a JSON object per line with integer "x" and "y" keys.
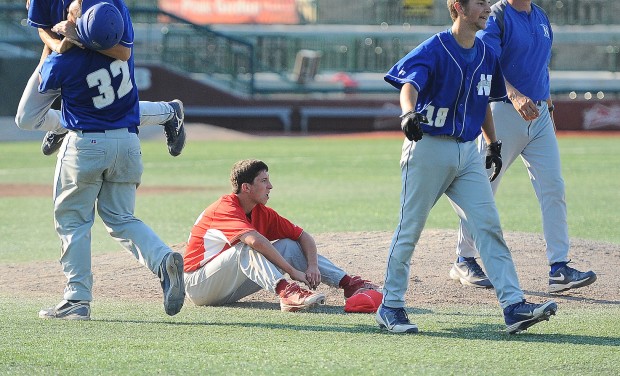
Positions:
{"x": 462, "y": 259}
{"x": 557, "y": 265}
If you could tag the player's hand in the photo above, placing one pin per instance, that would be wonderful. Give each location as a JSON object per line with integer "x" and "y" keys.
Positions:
{"x": 68, "y": 30}
{"x": 299, "y": 276}
{"x": 526, "y": 107}
{"x": 494, "y": 158}
{"x": 410, "y": 124}
{"x": 313, "y": 275}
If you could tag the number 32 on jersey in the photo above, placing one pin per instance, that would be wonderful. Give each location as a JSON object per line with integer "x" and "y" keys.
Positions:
{"x": 437, "y": 119}
{"x": 102, "y": 79}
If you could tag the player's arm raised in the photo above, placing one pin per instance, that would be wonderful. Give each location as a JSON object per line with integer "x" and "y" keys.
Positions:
{"x": 49, "y": 38}
{"x": 262, "y": 245}
{"x": 68, "y": 30}
{"x": 118, "y": 52}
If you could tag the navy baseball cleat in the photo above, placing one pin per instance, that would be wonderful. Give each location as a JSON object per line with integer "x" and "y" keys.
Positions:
{"x": 566, "y": 278}
{"x": 171, "y": 276}
{"x": 469, "y": 273}
{"x": 66, "y": 310}
{"x": 520, "y": 316}
{"x": 51, "y": 142}
{"x": 174, "y": 129}
{"x": 394, "y": 320}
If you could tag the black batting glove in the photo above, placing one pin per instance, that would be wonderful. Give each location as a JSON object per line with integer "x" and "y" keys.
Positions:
{"x": 410, "y": 124}
{"x": 494, "y": 158}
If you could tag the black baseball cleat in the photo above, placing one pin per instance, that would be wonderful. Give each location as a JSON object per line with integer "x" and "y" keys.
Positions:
{"x": 566, "y": 278}
{"x": 51, "y": 142}
{"x": 174, "y": 129}
{"x": 520, "y": 316}
{"x": 394, "y": 320}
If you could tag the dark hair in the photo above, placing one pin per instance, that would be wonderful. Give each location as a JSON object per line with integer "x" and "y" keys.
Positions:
{"x": 246, "y": 171}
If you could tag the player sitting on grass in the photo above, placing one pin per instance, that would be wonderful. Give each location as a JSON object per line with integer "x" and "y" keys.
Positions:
{"x": 239, "y": 246}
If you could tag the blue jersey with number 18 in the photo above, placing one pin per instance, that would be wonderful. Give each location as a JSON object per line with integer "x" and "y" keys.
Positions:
{"x": 453, "y": 92}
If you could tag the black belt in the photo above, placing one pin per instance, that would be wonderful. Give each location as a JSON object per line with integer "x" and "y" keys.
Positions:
{"x": 130, "y": 130}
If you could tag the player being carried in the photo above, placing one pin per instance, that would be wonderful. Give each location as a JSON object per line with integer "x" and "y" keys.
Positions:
{"x": 445, "y": 86}
{"x": 59, "y": 35}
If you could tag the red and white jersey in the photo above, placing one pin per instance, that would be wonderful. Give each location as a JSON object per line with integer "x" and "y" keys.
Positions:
{"x": 221, "y": 224}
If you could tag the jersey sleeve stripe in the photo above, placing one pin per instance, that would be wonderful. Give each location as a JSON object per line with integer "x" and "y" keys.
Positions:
{"x": 38, "y": 25}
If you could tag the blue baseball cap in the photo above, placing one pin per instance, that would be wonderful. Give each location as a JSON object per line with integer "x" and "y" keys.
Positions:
{"x": 101, "y": 25}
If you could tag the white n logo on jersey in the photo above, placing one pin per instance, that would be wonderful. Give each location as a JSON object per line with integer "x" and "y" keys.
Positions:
{"x": 484, "y": 86}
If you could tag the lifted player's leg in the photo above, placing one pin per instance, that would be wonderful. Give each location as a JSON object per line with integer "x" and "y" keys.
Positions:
{"x": 170, "y": 115}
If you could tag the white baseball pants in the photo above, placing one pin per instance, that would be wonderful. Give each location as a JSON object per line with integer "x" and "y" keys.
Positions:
{"x": 241, "y": 271}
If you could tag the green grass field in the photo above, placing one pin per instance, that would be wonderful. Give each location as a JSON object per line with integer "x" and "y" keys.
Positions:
{"x": 324, "y": 185}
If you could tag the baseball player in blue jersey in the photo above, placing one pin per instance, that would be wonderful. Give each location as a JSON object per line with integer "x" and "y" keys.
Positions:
{"x": 34, "y": 110}
{"x": 521, "y": 35}
{"x": 99, "y": 164}
{"x": 445, "y": 86}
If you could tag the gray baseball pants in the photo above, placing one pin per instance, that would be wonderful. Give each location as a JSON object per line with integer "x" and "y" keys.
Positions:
{"x": 241, "y": 271}
{"x": 537, "y": 145}
{"x": 431, "y": 167}
{"x": 100, "y": 171}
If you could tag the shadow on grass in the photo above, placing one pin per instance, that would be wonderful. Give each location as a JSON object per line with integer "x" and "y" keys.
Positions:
{"x": 495, "y": 332}
{"x": 563, "y": 295}
{"x": 487, "y": 332}
{"x": 326, "y": 308}
{"x": 468, "y": 331}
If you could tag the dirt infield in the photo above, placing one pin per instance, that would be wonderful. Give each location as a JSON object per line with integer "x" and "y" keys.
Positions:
{"x": 118, "y": 275}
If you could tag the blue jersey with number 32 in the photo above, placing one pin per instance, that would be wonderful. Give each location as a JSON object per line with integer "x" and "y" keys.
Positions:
{"x": 452, "y": 92}
{"x": 98, "y": 92}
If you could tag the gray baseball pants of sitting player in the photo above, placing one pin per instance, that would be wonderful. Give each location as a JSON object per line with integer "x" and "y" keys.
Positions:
{"x": 536, "y": 143}
{"x": 102, "y": 171}
{"x": 431, "y": 167}
{"x": 34, "y": 110}
{"x": 241, "y": 271}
